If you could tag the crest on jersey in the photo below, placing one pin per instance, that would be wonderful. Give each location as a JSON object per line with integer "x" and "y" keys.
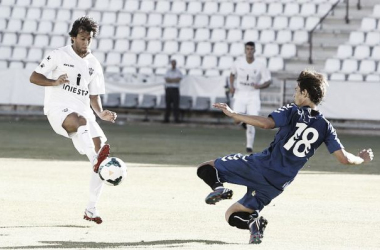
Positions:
{"x": 90, "y": 71}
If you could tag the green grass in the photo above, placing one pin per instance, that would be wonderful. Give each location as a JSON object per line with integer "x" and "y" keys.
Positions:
{"x": 166, "y": 144}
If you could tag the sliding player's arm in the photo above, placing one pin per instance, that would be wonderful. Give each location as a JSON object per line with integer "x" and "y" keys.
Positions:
{"x": 254, "y": 120}
{"x": 344, "y": 157}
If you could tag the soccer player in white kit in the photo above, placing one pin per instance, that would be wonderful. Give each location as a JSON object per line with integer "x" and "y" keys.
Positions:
{"x": 251, "y": 76}
{"x": 73, "y": 80}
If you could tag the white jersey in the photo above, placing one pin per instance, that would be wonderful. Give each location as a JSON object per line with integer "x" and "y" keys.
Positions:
{"x": 248, "y": 74}
{"x": 176, "y": 73}
{"x": 85, "y": 76}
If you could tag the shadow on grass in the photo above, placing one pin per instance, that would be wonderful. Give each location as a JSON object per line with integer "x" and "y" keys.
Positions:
{"x": 103, "y": 245}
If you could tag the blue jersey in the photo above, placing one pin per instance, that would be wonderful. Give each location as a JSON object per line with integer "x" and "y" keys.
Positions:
{"x": 301, "y": 131}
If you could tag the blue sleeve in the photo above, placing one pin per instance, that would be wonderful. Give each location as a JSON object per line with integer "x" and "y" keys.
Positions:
{"x": 282, "y": 116}
{"x": 332, "y": 141}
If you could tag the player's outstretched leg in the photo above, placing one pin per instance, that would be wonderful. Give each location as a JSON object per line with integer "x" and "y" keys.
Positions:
{"x": 92, "y": 216}
{"x": 220, "y": 193}
{"x": 103, "y": 153}
{"x": 257, "y": 227}
{"x": 209, "y": 175}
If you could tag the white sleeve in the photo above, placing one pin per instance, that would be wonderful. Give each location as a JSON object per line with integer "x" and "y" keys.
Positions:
{"x": 48, "y": 64}
{"x": 97, "y": 86}
{"x": 167, "y": 74}
{"x": 265, "y": 75}
{"x": 180, "y": 74}
{"x": 233, "y": 68}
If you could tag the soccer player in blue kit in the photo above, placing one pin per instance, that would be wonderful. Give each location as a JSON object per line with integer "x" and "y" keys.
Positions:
{"x": 302, "y": 129}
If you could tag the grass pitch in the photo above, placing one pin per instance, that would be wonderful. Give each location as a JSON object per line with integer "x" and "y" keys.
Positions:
{"x": 44, "y": 190}
{"x": 167, "y": 144}
{"x": 162, "y": 207}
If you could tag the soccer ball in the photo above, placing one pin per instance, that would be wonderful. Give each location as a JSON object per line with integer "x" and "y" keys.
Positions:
{"x": 112, "y": 171}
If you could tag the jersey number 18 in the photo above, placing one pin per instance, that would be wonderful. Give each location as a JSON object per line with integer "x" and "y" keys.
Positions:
{"x": 304, "y": 131}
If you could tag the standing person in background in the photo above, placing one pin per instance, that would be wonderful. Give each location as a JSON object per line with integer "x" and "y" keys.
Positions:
{"x": 251, "y": 76}
{"x": 173, "y": 78}
{"x": 73, "y": 80}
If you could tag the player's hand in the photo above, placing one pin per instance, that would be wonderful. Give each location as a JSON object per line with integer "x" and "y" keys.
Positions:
{"x": 366, "y": 155}
{"x": 225, "y": 108}
{"x": 61, "y": 80}
{"x": 107, "y": 115}
{"x": 232, "y": 90}
{"x": 256, "y": 85}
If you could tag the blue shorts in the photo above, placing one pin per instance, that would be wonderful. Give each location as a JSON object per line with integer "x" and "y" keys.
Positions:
{"x": 236, "y": 169}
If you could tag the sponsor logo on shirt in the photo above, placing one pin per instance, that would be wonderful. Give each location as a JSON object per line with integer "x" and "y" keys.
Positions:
{"x": 68, "y": 65}
{"x": 78, "y": 79}
{"x": 247, "y": 83}
{"x": 90, "y": 71}
{"x": 75, "y": 90}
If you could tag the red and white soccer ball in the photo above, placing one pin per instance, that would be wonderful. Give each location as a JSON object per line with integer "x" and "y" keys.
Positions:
{"x": 112, "y": 171}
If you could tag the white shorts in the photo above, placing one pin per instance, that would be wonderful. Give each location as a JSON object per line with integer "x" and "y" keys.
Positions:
{"x": 58, "y": 116}
{"x": 249, "y": 106}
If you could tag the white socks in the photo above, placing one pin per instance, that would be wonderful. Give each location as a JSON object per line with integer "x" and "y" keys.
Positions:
{"x": 96, "y": 184}
{"x": 250, "y": 133}
{"x": 87, "y": 143}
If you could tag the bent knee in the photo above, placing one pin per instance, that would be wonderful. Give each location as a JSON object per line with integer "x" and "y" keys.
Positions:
{"x": 73, "y": 121}
{"x": 205, "y": 167}
{"x": 211, "y": 163}
{"x": 82, "y": 121}
{"x": 237, "y": 207}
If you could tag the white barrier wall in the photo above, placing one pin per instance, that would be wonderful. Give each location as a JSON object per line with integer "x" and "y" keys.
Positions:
{"x": 352, "y": 100}
{"x": 190, "y": 85}
{"x": 16, "y": 88}
{"x": 344, "y": 100}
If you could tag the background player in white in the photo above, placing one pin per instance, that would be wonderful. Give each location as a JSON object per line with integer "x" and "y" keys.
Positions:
{"x": 73, "y": 80}
{"x": 251, "y": 76}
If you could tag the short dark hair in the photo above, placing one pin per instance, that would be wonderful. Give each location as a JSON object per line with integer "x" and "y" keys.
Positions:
{"x": 315, "y": 84}
{"x": 84, "y": 23}
{"x": 249, "y": 44}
